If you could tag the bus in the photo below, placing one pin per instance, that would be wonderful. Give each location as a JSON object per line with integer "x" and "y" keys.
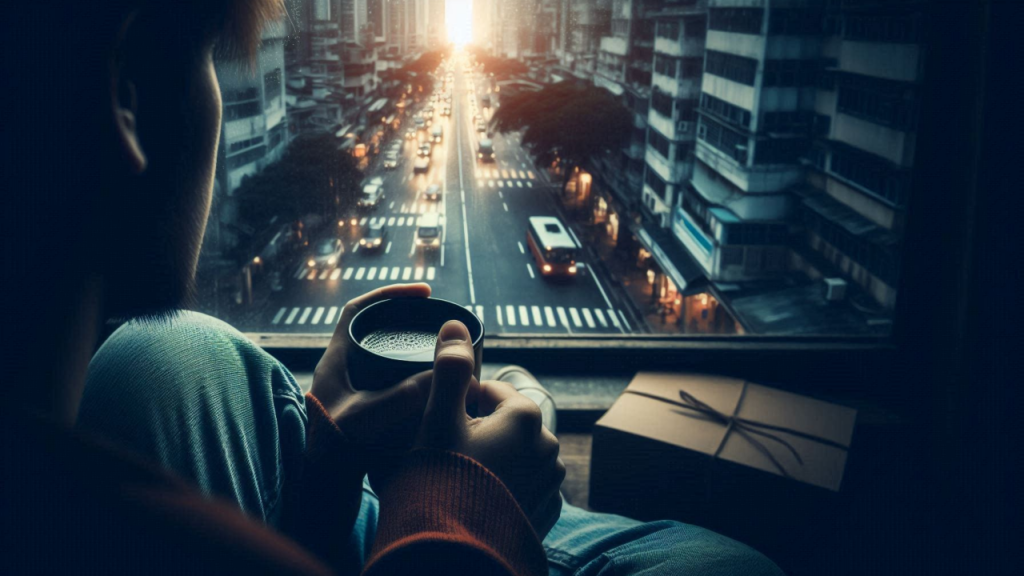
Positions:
{"x": 552, "y": 246}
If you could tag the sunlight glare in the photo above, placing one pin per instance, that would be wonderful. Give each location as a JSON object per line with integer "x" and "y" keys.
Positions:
{"x": 459, "y": 21}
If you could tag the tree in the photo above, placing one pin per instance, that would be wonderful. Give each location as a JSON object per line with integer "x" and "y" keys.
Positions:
{"x": 419, "y": 72}
{"x": 571, "y": 121}
{"x": 313, "y": 176}
{"x": 501, "y": 68}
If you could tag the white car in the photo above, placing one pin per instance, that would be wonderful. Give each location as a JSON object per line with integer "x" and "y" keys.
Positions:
{"x": 422, "y": 165}
{"x": 372, "y": 194}
{"x": 433, "y": 192}
{"x": 326, "y": 253}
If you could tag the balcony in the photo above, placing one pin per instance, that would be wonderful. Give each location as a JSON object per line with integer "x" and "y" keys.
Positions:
{"x": 244, "y": 128}
{"x": 614, "y": 45}
{"x": 688, "y": 48}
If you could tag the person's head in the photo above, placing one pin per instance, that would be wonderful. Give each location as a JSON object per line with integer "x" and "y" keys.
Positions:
{"x": 110, "y": 142}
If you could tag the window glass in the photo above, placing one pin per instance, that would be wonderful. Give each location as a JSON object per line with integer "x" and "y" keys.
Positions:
{"x": 714, "y": 164}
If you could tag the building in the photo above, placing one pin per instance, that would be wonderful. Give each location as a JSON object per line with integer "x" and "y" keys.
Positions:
{"x": 675, "y": 93}
{"x": 315, "y": 78}
{"x": 437, "y": 32}
{"x": 254, "y": 128}
{"x": 584, "y": 24}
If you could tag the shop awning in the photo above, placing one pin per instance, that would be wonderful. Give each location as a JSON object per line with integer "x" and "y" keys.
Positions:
{"x": 673, "y": 259}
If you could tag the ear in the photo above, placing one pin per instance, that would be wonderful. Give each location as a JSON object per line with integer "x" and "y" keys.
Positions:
{"x": 125, "y": 126}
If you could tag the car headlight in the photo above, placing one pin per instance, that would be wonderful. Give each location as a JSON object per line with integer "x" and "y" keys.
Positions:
{"x": 547, "y": 267}
{"x": 572, "y": 269}
{"x": 362, "y": 241}
{"x": 377, "y": 241}
{"x": 419, "y": 242}
{"x": 436, "y": 242}
{"x": 311, "y": 263}
{"x": 332, "y": 261}
{"x": 354, "y": 221}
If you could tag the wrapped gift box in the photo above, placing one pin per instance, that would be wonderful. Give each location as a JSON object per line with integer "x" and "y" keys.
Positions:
{"x": 706, "y": 457}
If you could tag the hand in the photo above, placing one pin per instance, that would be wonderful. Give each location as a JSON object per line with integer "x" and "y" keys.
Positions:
{"x": 379, "y": 421}
{"x": 507, "y": 439}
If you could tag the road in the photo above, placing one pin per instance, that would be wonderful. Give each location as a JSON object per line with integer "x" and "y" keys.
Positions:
{"x": 483, "y": 263}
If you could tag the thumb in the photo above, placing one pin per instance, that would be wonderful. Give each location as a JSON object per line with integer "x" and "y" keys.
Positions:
{"x": 445, "y": 413}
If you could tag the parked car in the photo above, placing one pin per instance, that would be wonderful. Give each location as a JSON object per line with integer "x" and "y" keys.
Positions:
{"x": 326, "y": 253}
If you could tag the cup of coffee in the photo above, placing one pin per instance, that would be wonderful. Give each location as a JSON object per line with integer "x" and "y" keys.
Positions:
{"x": 393, "y": 339}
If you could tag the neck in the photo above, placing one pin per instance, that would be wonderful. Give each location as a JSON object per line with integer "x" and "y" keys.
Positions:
{"x": 53, "y": 351}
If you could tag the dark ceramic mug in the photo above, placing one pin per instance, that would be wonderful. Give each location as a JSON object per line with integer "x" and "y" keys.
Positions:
{"x": 393, "y": 339}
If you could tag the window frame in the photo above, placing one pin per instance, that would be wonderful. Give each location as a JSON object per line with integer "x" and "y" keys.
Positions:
{"x": 833, "y": 362}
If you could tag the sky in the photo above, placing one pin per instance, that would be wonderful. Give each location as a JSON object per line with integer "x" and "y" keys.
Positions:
{"x": 459, "y": 21}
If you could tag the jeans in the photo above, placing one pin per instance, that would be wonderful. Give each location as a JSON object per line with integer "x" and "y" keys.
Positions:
{"x": 195, "y": 395}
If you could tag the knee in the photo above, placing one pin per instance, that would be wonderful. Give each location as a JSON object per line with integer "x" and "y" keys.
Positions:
{"x": 676, "y": 548}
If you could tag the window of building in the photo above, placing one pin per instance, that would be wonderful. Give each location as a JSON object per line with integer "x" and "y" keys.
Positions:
{"x": 876, "y": 174}
{"x": 242, "y": 110}
{"x": 246, "y": 157}
{"x": 662, "y": 102}
{"x": 789, "y": 121}
{"x": 725, "y": 111}
{"x": 719, "y": 136}
{"x": 660, "y": 143}
{"x": 665, "y": 66}
{"x": 790, "y": 73}
{"x": 795, "y": 21}
{"x": 655, "y": 182}
{"x": 692, "y": 67}
{"x": 878, "y": 100}
{"x": 742, "y": 20}
{"x": 881, "y": 28}
{"x": 668, "y": 29}
{"x": 730, "y": 66}
{"x": 695, "y": 27}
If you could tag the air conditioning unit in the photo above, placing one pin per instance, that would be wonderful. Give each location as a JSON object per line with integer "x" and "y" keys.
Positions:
{"x": 835, "y": 289}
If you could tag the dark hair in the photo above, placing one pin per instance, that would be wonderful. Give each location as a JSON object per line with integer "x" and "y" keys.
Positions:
{"x": 56, "y": 69}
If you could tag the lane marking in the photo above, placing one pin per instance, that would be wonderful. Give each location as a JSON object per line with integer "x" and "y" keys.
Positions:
{"x": 501, "y": 194}
{"x": 372, "y": 274}
{"x": 305, "y": 314}
{"x": 521, "y": 249}
{"x": 563, "y": 319}
{"x": 536, "y": 316}
{"x": 277, "y": 317}
{"x": 348, "y": 273}
{"x": 316, "y": 316}
{"x": 406, "y": 273}
{"x": 363, "y": 221}
{"x": 388, "y": 248}
{"x": 360, "y": 272}
{"x": 419, "y": 273}
{"x": 550, "y": 316}
{"x": 391, "y": 221}
{"x": 625, "y": 321}
{"x": 524, "y": 318}
{"x": 529, "y": 268}
{"x": 614, "y": 318}
{"x": 392, "y": 205}
{"x": 510, "y": 315}
{"x": 588, "y": 318}
{"x": 300, "y": 273}
{"x": 311, "y": 275}
{"x": 291, "y": 316}
{"x": 430, "y": 273}
{"x": 500, "y": 323}
{"x": 325, "y": 274}
{"x": 575, "y": 317}
{"x": 335, "y": 273}
{"x": 480, "y": 312}
{"x": 505, "y": 205}
{"x": 519, "y": 183}
{"x": 329, "y": 319}
{"x": 403, "y": 208}
{"x": 394, "y": 272}
{"x": 355, "y": 247}
{"x": 600, "y": 317}
{"x": 465, "y": 220}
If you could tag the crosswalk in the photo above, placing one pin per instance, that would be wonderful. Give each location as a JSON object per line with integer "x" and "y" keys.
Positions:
{"x": 502, "y": 317}
{"x": 504, "y": 178}
{"x": 367, "y": 273}
{"x": 391, "y": 221}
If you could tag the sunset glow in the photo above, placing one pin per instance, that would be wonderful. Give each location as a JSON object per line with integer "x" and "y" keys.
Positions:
{"x": 459, "y": 21}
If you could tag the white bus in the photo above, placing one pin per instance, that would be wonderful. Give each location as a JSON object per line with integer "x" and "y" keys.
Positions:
{"x": 552, "y": 246}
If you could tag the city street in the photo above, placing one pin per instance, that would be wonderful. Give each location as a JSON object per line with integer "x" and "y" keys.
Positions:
{"x": 483, "y": 262}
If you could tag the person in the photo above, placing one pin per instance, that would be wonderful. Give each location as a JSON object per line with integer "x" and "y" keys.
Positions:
{"x": 211, "y": 459}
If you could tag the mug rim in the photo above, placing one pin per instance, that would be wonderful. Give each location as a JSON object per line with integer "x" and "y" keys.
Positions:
{"x": 479, "y": 338}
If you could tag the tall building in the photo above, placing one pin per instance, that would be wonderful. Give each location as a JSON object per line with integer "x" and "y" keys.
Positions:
{"x": 675, "y": 94}
{"x": 437, "y": 33}
{"x": 316, "y": 75}
{"x": 585, "y": 23}
{"x": 254, "y": 129}
{"x": 483, "y": 24}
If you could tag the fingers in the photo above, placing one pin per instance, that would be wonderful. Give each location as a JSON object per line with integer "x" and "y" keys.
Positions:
{"x": 492, "y": 394}
{"x": 547, "y": 516}
{"x": 388, "y": 417}
{"x": 445, "y": 412}
{"x": 331, "y": 367}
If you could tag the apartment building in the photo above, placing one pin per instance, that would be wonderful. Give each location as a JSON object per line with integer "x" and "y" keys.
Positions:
{"x": 585, "y": 23}
{"x": 680, "y": 31}
{"x": 254, "y": 129}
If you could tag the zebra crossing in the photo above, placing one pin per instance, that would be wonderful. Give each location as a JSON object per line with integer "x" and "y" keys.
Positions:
{"x": 505, "y": 317}
{"x": 504, "y": 178}
{"x": 391, "y": 221}
{"x": 368, "y": 273}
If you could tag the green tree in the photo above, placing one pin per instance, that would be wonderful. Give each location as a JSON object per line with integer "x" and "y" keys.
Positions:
{"x": 313, "y": 177}
{"x": 419, "y": 72}
{"x": 570, "y": 121}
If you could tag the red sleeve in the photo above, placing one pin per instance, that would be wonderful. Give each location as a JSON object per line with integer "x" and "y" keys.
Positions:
{"x": 442, "y": 512}
{"x": 323, "y": 501}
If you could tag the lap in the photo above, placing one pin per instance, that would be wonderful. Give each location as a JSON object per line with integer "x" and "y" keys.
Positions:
{"x": 193, "y": 394}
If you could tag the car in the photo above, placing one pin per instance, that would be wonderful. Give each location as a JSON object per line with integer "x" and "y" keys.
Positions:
{"x": 424, "y": 150}
{"x": 326, "y": 253}
{"x": 419, "y": 122}
{"x": 374, "y": 235}
{"x": 390, "y": 159}
{"x": 481, "y": 126}
{"x": 429, "y": 231}
{"x": 432, "y": 192}
{"x": 486, "y": 151}
{"x": 410, "y": 133}
{"x": 422, "y": 165}
{"x": 373, "y": 193}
